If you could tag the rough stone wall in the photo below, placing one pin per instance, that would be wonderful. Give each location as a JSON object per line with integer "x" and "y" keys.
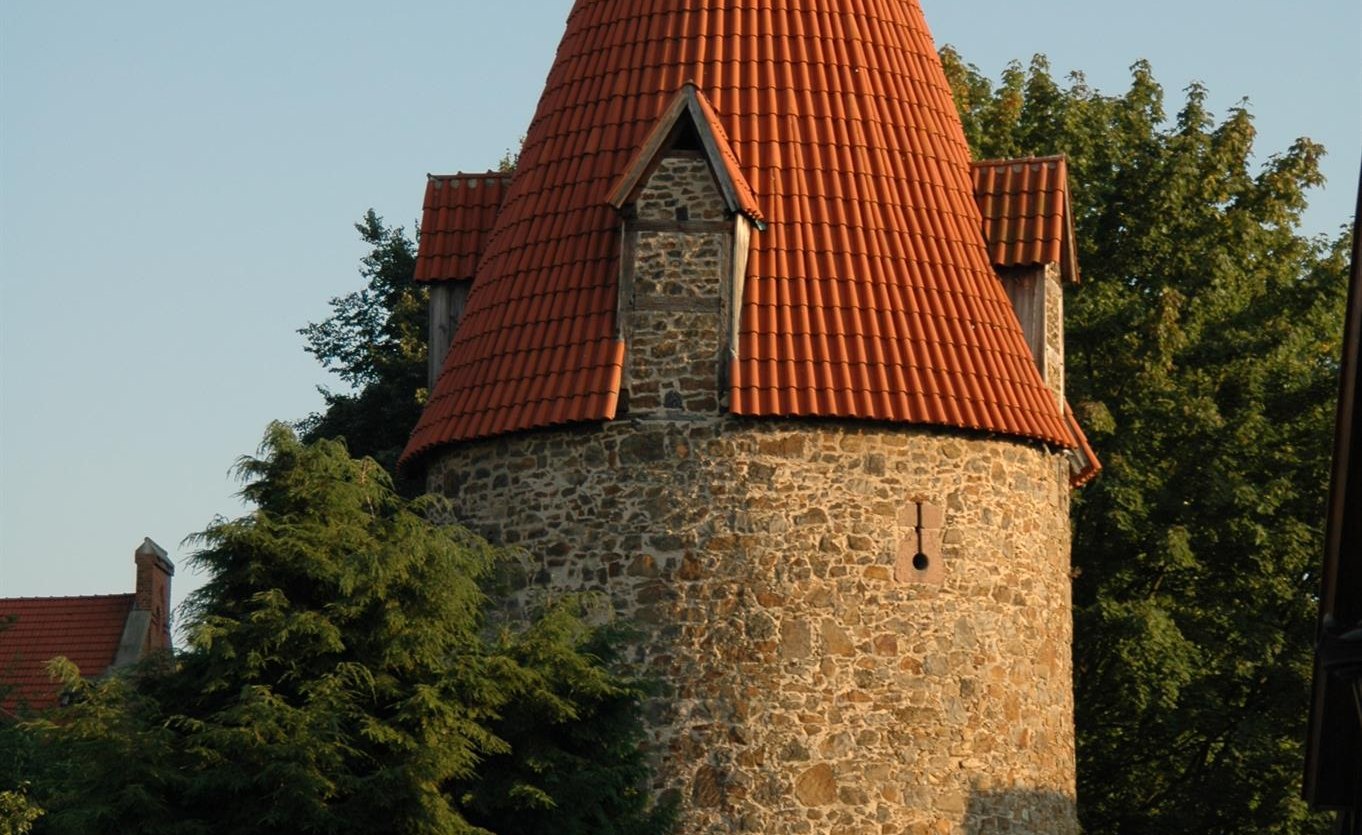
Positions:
{"x": 682, "y": 181}
{"x": 813, "y": 690}
{"x": 675, "y": 310}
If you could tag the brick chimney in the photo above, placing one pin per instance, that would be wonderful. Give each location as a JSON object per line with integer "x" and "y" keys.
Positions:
{"x": 154, "y": 570}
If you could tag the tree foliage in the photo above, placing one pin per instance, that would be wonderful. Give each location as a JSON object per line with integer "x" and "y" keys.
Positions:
{"x": 17, "y": 812}
{"x": 375, "y": 341}
{"x": 343, "y": 676}
{"x": 1202, "y": 353}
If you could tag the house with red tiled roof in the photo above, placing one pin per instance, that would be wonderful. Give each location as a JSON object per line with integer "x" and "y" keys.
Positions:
{"x": 99, "y": 633}
{"x": 750, "y": 352}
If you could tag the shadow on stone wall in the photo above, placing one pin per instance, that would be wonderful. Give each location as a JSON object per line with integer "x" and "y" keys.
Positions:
{"x": 1020, "y": 812}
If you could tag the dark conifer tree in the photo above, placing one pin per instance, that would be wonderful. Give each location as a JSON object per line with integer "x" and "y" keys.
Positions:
{"x": 343, "y": 676}
{"x": 375, "y": 341}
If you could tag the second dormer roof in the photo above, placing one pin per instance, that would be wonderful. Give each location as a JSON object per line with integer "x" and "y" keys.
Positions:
{"x": 457, "y": 218}
{"x": 1026, "y": 213}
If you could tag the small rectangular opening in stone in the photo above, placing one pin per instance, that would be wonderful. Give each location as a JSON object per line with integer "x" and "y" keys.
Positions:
{"x": 919, "y": 557}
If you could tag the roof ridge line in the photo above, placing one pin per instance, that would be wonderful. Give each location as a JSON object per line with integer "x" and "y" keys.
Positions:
{"x": 490, "y": 174}
{"x": 65, "y": 597}
{"x": 1018, "y": 160}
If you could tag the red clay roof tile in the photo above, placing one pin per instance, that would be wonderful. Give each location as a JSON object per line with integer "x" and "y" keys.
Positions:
{"x": 456, "y": 220}
{"x": 85, "y": 630}
{"x": 1026, "y": 212}
{"x": 840, "y": 120}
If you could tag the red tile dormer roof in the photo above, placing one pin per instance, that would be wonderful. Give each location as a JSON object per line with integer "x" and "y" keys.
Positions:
{"x": 1027, "y": 218}
{"x": 869, "y": 295}
{"x": 86, "y": 630}
{"x": 456, "y": 220}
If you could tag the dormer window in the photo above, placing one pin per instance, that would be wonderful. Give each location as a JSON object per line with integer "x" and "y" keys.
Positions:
{"x": 687, "y": 222}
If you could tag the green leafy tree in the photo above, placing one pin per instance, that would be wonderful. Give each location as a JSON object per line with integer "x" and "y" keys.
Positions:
{"x": 1202, "y": 352}
{"x": 375, "y": 341}
{"x": 17, "y": 812}
{"x": 344, "y": 676}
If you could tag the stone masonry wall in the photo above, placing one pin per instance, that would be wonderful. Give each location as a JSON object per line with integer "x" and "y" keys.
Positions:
{"x": 813, "y": 688}
{"x": 675, "y": 312}
{"x": 682, "y": 182}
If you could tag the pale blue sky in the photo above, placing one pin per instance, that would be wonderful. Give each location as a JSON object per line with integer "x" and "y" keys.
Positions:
{"x": 178, "y": 182}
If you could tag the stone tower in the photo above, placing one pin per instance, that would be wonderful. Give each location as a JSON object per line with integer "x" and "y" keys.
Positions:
{"x": 738, "y": 356}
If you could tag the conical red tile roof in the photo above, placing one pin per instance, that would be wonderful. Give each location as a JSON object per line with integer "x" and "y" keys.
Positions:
{"x": 870, "y": 293}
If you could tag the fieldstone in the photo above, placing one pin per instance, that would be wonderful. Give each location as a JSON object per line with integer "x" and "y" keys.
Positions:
{"x": 706, "y": 788}
{"x": 796, "y": 640}
{"x": 857, "y": 542}
{"x": 794, "y": 752}
{"x": 643, "y": 565}
{"x": 690, "y": 569}
{"x": 642, "y": 448}
{"x": 817, "y": 786}
{"x": 835, "y": 639}
{"x": 788, "y": 447}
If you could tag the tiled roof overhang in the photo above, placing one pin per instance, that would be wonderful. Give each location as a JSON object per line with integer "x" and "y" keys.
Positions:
{"x": 870, "y": 295}
{"x": 1027, "y": 219}
{"x": 457, "y": 218}
{"x": 1084, "y": 464}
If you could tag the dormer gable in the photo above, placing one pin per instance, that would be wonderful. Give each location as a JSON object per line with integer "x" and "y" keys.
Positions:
{"x": 689, "y": 126}
{"x": 687, "y": 220}
{"x": 1027, "y": 225}
{"x": 1026, "y": 212}
{"x": 457, "y": 219}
